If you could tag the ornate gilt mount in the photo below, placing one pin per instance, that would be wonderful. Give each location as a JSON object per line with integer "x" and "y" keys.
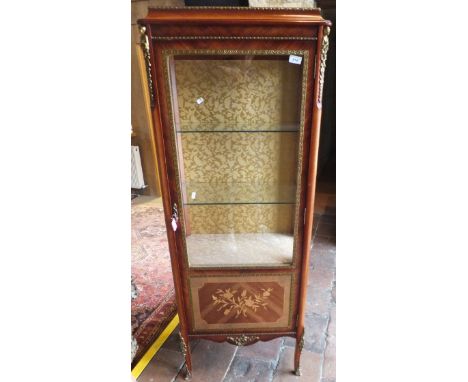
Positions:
{"x": 144, "y": 42}
{"x": 243, "y": 340}
{"x": 183, "y": 345}
{"x": 183, "y": 350}
{"x": 300, "y": 346}
{"x": 323, "y": 61}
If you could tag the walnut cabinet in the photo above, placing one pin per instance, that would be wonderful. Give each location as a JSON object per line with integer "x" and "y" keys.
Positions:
{"x": 236, "y": 96}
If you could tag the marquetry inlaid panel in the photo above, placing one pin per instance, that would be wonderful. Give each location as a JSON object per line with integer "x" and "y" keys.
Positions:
{"x": 241, "y": 302}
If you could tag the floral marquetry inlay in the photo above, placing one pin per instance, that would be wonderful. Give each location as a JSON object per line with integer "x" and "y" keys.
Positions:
{"x": 229, "y": 302}
{"x": 240, "y": 302}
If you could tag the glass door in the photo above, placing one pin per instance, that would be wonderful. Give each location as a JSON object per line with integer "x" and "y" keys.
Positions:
{"x": 237, "y": 133}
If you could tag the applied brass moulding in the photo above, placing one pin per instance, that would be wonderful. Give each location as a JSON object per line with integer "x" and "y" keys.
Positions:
{"x": 281, "y": 334}
{"x": 237, "y": 8}
{"x": 300, "y": 346}
{"x": 183, "y": 345}
{"x": 170, "y": 38}
{"x": 183, "y": 350}
{"x": 242, "y": 340}
{"x": 144, "y": 42}
{"x": 323, "y": 61}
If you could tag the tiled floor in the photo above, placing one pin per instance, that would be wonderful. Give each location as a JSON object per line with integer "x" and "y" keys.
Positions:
{"x": 273, "y": 361}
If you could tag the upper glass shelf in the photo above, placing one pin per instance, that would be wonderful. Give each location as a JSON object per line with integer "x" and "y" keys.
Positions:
{"x": 198, "y": 193}
{"x": 236, "y": 128}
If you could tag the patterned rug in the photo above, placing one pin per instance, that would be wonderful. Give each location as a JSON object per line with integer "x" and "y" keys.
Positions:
{"x": 154, "y": 305}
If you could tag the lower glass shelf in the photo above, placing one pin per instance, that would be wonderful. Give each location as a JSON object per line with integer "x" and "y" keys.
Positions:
{"x": 199, "y": 193}
{"x": 239, "y": 249}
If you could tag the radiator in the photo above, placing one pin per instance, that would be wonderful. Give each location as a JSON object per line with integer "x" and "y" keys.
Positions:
{"x": 137, "y": 171}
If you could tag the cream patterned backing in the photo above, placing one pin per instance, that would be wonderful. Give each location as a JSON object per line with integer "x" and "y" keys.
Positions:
{"x": 242, "y": 218}
{"x": 246, "y": 94}
{"x": 223, "y": 165}
{"x": 254, "y": 158}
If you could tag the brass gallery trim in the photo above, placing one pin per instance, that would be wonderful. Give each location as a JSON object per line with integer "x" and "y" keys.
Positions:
{"x": 166, "y": 53}
{"x": 238, "y": 8}
{"x": 323, "y": 61}
{"x": 169, "y": 38}
{"x": 262, "y": 334}
{"x": 242, "y": 340}
{"x": 144, "y": 42}
{"x": 203, "y": 268}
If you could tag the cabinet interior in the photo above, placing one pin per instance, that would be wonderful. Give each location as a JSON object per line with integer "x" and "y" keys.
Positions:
{"x": 237, "y": 122}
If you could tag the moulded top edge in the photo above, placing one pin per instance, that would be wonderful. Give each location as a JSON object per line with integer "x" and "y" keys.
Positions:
{"x": 233, "y": 15}
{"x": 238, "y": 8}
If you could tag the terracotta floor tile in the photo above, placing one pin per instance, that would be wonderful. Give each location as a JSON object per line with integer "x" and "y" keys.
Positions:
{"x": 328, "y": 219}
{"x": 321, "y": 278}
{"x": 329, "y": 362}
{"x": 319, "y": 300}
{"x": 324, "y": 244}
{"x": 173, "y": 341}
{"x": 289, "y": 341}
{"x": 250, "y": 369}
{"x": 326, "y": 229}
{"x": 164, "y": 367}
{"x": 266, "y": 351}
{"x": 310, "y": 366}
{"x": 211, "y": 361}
{"x": 315, "y": 332}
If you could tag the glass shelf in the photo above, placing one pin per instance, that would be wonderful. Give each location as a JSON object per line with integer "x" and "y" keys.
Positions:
{"x": 199, "y": 193}
{"x": 237, "y": 128}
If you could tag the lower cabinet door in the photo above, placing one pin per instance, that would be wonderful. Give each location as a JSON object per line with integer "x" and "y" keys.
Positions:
{"x": 227, "y": 303}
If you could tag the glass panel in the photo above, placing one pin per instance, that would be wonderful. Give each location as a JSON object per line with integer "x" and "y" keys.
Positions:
{"x": 237, "y": 122}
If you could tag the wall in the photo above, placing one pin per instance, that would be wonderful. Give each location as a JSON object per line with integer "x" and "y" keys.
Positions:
{"x": 327, "y": 152}
{"x": 141, "y": 125}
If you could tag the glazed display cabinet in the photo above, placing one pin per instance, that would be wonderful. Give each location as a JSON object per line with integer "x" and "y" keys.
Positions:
{"x": 236, "y": 99}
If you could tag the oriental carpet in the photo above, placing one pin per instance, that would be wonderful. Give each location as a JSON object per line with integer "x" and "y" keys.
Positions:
{"x": 154, "y": 305}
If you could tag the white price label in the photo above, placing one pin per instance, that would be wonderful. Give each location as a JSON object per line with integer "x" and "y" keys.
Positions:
{"x": 194, "y": 195}
{"x": 295, "y": 59}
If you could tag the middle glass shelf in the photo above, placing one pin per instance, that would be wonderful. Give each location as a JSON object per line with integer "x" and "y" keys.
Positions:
{"x": 200, "y": 193}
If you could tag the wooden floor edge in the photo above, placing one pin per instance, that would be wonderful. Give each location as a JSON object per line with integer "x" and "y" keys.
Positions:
{"x": 145, "y": 360}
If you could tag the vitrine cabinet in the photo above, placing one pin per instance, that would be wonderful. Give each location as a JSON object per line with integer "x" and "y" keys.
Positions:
{"x": 236, "y": 99}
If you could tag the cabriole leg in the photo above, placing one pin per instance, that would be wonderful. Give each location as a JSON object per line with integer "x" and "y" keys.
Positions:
{"x": 185, "y": 349}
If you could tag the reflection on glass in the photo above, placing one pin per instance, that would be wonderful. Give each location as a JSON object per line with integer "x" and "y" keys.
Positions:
{"x": 237, "y": 123}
